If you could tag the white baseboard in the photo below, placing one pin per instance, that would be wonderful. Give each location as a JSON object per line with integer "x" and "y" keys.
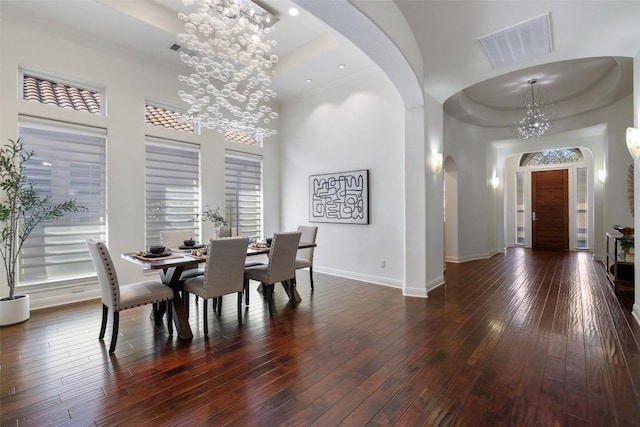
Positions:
{"x": 385, "y": 281}
{"x": 636, "y": 313}
{"x": 54, "y": 300}
{"x": 458, "y": 260}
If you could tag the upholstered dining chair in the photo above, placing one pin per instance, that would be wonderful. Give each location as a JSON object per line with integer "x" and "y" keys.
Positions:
{"x": 173, "y": 239}
{"x": 116, "y": 298}
{"x": 304, "y": 258}
{"x": 223, "y": 274}
{"x": 280, "y": 268}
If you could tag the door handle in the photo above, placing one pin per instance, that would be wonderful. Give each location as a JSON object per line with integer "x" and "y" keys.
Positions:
{"x": 533, "y": 216}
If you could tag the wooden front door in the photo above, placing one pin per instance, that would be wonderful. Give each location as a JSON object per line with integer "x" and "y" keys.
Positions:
{"x": 550, "y": 209}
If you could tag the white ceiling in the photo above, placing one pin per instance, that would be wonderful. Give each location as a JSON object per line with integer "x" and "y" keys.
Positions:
{"x": 456, "y": 69}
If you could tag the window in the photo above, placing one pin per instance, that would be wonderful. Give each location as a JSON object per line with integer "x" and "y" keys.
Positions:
{"x": 172, "y": 187}
{"x": 69, "y": 162}
{"x": 520, "y": 211}
{"x": 46, "y": 91}
{"x": 243, "y": 193}
{"x": 167, "y": 118}
{"x": 581, "y": 209}
{"x": 552, "y": 157}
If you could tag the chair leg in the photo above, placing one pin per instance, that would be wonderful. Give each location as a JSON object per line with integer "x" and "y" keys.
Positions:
{"x": 114, "y": 334}
{"x": 219, "y": 303}
{"x": 103, "y": 327}
{"x": 246, "y": 291}
{"x": 311, "y": 276}
{"x": 240, "y": 308}
{"x": 269, "y": 290}
{"x": 169, "y": 304}
{"x": 205, "y": 317}
{"x": 214, "y": 303}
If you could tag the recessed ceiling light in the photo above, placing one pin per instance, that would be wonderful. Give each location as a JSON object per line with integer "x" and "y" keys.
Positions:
{"x": 293, "y": 11}
{"x": 308, "y": 80}
{"x": 341, "y": 66}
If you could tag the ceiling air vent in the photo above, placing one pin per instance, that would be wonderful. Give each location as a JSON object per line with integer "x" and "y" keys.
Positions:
{"x": 518, "y": 43}
{"x": 178, "y": 48}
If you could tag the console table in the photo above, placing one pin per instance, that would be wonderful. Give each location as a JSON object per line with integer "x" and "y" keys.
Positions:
{"x": 620, "y": 267}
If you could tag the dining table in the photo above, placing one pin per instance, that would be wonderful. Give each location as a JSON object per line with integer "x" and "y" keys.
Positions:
{"x": 175, "y": 262}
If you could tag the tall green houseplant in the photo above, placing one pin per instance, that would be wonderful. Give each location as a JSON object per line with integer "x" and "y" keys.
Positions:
{"x": 22, "y": 209}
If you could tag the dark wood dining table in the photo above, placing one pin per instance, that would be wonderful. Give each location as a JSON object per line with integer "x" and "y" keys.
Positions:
{"x": 171, "y": 268}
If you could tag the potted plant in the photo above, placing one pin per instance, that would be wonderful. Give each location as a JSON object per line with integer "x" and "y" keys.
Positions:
{"x": 215, "y": 217}
{"x": 22, "y": 209}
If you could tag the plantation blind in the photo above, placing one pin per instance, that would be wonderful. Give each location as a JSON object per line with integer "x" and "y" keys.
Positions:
{"x": 69, "y": 162}
{"x": 243, "y": 193}
{"x": 172, "y": 188}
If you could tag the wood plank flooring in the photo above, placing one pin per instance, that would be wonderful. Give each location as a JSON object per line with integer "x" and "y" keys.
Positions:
{"x": 528, "y": 338}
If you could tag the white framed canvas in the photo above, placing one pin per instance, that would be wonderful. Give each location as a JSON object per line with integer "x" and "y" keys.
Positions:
{"x": 341, "y": 197}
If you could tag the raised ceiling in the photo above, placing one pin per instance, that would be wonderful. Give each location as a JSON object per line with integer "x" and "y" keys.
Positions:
{"x": 578, "y": 75}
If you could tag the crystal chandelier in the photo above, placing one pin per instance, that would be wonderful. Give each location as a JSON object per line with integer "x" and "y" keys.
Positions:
{"x": 232, "y": 63}
{"x": 535, "y": 119}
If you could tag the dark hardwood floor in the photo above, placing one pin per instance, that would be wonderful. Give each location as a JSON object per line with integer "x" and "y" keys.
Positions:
{"x": 523, "y": 339}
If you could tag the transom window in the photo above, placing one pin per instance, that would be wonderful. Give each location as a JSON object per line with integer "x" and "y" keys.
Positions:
{"x": 167, "y": 118}
{"x": 552, "y": 157}
{"x": 233, "y": 135}
{"x": 47, "y": 91}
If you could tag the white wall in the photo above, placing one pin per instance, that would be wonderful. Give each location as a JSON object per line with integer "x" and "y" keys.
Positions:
{"x": 467, "y": 145}
{"x": 128, "y": 79}
{"x": 355, "y": 125}
{"x": 636, "y": 124}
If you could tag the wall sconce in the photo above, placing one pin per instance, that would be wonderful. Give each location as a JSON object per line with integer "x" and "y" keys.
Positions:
{"x": 602, "y": 176}
{"x": 436, "y": 163}
{"x": 495, "y": 181}
{"x": 633, "y": 142}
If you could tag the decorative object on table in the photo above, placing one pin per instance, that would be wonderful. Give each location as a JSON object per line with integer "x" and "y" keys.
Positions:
{"x": 625, "y": 231}
{"x": 627, "y": 241}
{"x": 22, "y": 210}
{"x": 215, "y": 217}
{"x": 156, "y": 249}
{"x": 341, "y": 197}
{"x": 227, "y": 44}
{"x": 189, "y": 243}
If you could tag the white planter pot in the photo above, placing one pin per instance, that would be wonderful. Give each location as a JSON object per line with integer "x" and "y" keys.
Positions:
{"x": 14, "y": 310}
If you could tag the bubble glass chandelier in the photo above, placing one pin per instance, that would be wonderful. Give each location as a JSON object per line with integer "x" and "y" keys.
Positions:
{"x": 230, "y": 54}
{"x": 535, "y": 119}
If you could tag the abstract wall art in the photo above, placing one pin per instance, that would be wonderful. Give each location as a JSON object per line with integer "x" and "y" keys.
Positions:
{"x": 341, "y": 197}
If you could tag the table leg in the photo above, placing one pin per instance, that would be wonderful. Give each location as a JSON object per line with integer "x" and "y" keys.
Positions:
{"x": 171, "y": 278}
{"x": 292, "y": 291}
